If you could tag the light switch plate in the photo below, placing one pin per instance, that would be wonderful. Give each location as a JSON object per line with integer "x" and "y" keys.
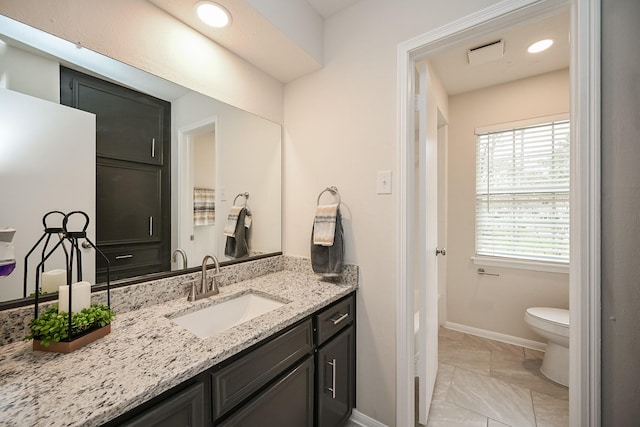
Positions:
{"x": 384, "y": 182}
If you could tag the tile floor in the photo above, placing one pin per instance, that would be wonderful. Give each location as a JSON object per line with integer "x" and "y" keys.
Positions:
{"x": 487, "y": 383}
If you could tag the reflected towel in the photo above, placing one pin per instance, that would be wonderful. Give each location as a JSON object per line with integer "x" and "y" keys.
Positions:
{"x": 324, "y": 225}
{"x": 232, "y": 220}
{"x": 236, "y": 246}
{"x": 204, "y": 206}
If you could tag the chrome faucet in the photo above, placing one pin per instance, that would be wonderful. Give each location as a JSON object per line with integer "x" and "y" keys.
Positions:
{"x": 174, "y": 257}
{"x": 204, "y": 290}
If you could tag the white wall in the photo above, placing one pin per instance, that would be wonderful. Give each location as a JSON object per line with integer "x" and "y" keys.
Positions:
{"x": 340, "y": 129}
{"x": 495, "y": 303}
{"x": 140, "y": 34}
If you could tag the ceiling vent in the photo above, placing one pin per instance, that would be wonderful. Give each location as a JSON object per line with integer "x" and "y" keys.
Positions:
{"x": 486, "y": 53}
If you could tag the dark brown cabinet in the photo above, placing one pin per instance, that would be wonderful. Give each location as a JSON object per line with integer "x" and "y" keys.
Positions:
{"x": 185, "y": 408}
{"x": 335, "y": 389}
{"x": 133, "y": 152}
{"x": 286, "y": 403}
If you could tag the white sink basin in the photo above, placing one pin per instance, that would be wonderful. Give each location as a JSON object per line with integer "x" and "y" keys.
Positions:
{"x": 210, "y": 320}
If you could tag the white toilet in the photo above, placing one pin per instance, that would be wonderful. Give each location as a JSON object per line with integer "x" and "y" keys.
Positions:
{"x": 552, "y": 324}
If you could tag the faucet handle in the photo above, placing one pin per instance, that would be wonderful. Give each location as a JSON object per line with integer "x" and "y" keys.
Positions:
{"x": 193, "y": 291}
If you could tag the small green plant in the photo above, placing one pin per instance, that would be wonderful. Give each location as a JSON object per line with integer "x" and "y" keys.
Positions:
{"x": 52, "y": 326}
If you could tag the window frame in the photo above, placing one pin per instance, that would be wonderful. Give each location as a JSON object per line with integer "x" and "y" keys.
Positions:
{"x": 515, "y": 262}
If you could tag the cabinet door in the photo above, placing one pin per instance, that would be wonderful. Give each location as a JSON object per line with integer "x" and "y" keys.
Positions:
{"x": 287, "y": 403}
{"x": 183, "y": 409}
{"x": 128, "y": 203}
{"x": 336, "y": 379}
{"x": 129, "y": 125}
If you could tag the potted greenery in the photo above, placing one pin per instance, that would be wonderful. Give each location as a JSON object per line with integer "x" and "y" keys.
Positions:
{"x": 50, "y": 330}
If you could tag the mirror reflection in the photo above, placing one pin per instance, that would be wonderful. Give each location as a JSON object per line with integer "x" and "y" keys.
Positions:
{"x": 169, "y": 197}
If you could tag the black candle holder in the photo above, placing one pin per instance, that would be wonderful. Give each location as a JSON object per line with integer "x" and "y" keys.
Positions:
{"x": 73, "y": 257}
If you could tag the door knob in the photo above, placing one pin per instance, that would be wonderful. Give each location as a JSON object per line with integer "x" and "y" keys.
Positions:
{"x": 442, "y": 251}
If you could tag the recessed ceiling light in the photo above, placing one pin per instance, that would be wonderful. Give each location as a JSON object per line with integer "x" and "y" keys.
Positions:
{"x": 213, "y": 14}
{"x": 539, "y": 46}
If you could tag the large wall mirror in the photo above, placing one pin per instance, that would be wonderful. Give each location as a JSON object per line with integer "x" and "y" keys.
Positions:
{"x": 48, "y": 158}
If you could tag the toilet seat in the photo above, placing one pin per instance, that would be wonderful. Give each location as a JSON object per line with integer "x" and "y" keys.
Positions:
{"x": 554, "y": 320}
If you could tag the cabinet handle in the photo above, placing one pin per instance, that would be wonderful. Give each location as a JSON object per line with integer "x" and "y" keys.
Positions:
{"x": 153, "y": 147}
{"x": 332, "y": 389}
{"x": 339, "y": 319}
{"x": 124, "y": 256}
{"x": 150, "y": 226}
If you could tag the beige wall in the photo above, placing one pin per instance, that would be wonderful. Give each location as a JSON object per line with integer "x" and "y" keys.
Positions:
{"x": 340, "y": 129}
{"x": 495, "y": 303}
{"x": 140, "y": 34}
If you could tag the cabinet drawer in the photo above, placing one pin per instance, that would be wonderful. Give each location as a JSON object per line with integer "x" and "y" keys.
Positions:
{"x": 333, "y": 319}
{"x": 129, "y": 257}
{"x": 239, "y": 380}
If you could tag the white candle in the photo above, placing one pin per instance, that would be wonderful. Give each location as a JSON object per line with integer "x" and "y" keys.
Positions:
{"x": 81, "y": 297}
{"x": 52, "y": 279}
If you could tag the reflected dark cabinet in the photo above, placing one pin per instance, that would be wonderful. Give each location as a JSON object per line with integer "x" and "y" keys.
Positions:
{"x": 133, "y": 152}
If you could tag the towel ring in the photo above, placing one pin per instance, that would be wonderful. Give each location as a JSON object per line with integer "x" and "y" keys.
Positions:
{"x": 246, "y": 198}
{"x": 333, "y": 190}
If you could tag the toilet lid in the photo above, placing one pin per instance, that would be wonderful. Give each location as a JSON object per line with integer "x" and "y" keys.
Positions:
{"x": 558, "y": 316}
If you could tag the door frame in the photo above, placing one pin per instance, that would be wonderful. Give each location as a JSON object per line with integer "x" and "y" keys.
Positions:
{"x": 185, "y": 178}
{"x": 584, "y": 280}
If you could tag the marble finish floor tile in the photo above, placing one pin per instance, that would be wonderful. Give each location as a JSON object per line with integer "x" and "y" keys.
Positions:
{"x": 495, "y": 347}
{"x": 457, "y": 354}
{"x": 526, "y": 373}
{"x": 443, "y": 381}
{"x": 494, "y": 398}
{"x": 550, "y": 411}
{"x": 445, "y": 414}
{"x": 512, "y": 385}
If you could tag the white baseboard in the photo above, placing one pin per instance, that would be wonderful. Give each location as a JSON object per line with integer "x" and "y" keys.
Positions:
{"x": 363, "y": 420}
{"x": 535, "y": 345}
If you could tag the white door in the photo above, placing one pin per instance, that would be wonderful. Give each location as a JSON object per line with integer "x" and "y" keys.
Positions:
{"x": 427, "y": 150}
{"x": 44, "y": 148}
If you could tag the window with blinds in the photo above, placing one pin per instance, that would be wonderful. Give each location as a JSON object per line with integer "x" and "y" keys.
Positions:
{"x": 522, "y": 193}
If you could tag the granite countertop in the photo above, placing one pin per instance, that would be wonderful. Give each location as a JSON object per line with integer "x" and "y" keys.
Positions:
{"x": 145, "y": 355}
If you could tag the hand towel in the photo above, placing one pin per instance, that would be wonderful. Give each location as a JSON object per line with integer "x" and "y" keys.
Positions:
{"x": 236, "y": 246}
{"x": 324, "y": 225}
{"x": 327, "y": 261}
{"x": 204, "y": 206}
{"x": 232, "y": 221}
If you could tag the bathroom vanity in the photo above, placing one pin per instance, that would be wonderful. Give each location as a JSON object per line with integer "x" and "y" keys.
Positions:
{"x": 291, "y": 366}
{"x": 301, "y": 376}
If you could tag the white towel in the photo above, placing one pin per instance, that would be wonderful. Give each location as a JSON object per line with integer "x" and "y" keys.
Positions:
{"x": 324, "y": 225}
{"x": 232, "y": 221}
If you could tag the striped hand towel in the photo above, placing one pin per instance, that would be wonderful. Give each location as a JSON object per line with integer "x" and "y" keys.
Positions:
{"x": 232, "y": 221}
{"x": 324, "y": 225}
{"x": 204, "y": 206}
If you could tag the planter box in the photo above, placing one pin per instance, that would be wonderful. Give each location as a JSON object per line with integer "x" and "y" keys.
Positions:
{"x": 69, "y": 346}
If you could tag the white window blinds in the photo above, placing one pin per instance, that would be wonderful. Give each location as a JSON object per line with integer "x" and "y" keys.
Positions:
{"x": 522, "y": 193}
